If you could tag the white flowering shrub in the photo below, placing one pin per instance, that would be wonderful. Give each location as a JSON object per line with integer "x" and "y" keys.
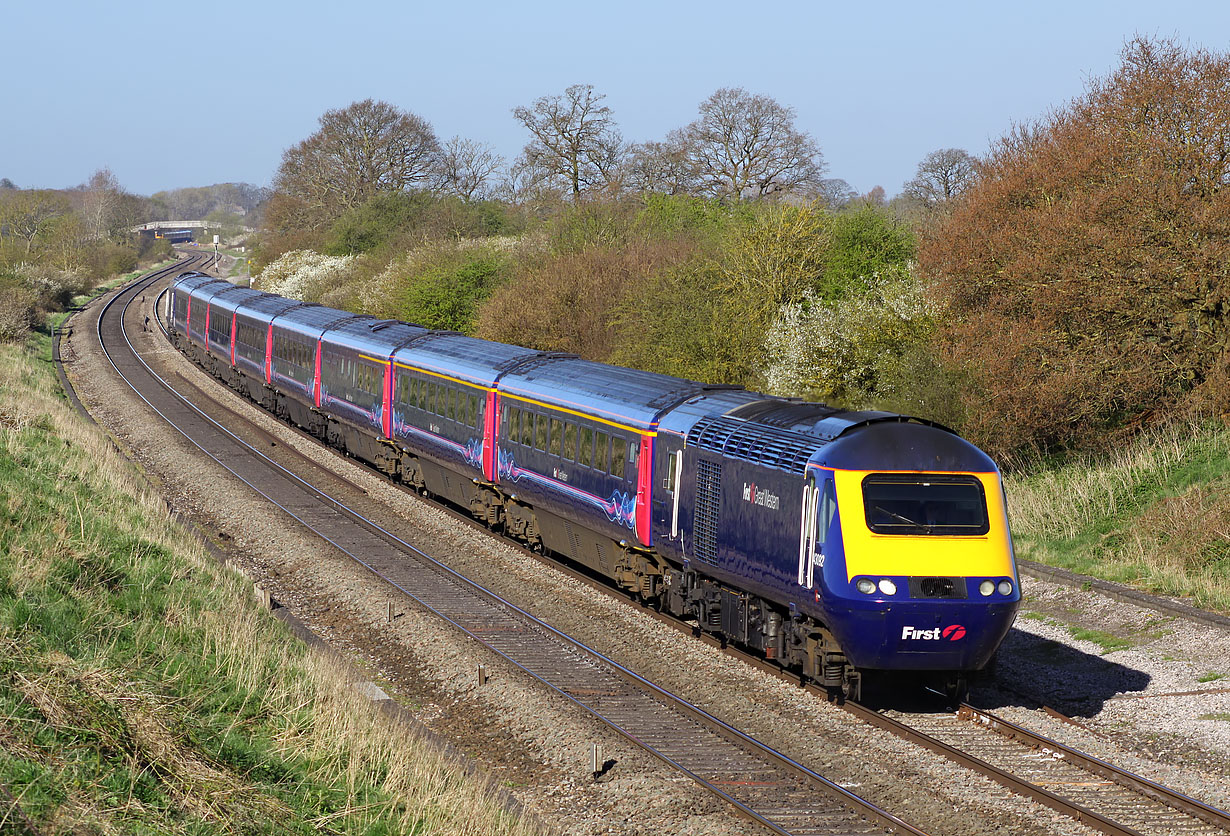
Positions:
{"x": 304, "y": 274}
{"x": 849, "y": 352}
{"x": 52, "y": 287}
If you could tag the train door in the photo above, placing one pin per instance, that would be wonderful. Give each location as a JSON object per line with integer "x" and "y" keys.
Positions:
{"x": 819, "y": 506}
{"x": 667, "y": 476}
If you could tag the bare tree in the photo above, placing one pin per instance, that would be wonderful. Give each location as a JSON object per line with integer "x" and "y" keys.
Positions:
{"x": 575, "y": 138}
{"x": 746, "y": 145}
{"x": 466, "y": 168}
{"x": 835, "y": 193}
{"x": 100, "y": 204}
{"x": 941, "y": 176}
{"x": 659, "y": 167}
{"x": 360, "y": 150}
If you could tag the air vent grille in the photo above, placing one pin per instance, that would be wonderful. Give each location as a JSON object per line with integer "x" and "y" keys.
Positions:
{"x": 708, "y": 506}
{"x": 764, "y": 445}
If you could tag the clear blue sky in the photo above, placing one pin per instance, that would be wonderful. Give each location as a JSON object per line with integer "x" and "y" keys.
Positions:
{"x": 879, "y": 85}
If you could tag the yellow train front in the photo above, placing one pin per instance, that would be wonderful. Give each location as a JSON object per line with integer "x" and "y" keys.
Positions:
{"x": 838, "y": 543}
{"x": 913, "y": 565}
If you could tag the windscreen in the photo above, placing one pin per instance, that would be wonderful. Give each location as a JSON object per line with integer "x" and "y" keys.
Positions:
{"x": 924, "y": 504}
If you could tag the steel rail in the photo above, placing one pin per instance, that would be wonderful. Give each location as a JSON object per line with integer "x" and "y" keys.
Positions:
{"x": 362, "y": 551}
{"x": 1092, "y": 818}
{"x": 1096, "y": 766}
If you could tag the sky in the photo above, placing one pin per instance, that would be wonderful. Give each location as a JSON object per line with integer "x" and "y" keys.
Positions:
{"x": 169, "y": 95}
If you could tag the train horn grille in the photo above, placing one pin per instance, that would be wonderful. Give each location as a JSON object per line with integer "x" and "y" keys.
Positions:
{"x": 937, "y": 588}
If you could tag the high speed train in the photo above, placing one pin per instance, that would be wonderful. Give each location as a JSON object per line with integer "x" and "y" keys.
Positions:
{"x": 835, "y": 542}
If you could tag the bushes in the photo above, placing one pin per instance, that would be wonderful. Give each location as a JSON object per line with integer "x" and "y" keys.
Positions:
{"x": 868, "y": 350}
{"x": 1089, "y": 268}
{"x": 440, "y": 287}
{"x": 18, "y": 311}
{"x": 303, "y": 274}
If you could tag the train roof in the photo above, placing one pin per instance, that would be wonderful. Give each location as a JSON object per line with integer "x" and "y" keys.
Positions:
{"x": 476, "y": 361}
{"x": 379, "y": 337}
{"x": 616, "y": 394}
{"x": 713, "y": 401}
{"x": 901, "y": 443}
{"x": 309, "y": 320}
{"x": 266, "y": 306}
{"x": 200, "y": 285}
{"x": 192, "y": 279}
{"x": 228, "y": 299}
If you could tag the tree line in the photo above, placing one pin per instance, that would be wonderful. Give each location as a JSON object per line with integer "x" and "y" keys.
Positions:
{"x": 1060, "y": 291}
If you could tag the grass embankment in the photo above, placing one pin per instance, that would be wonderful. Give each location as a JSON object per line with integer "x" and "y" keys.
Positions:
{"x": 141, "y": 688}
{"x": 1154, "y": 514}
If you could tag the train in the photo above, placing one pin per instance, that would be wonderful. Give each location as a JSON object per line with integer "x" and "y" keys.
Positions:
{"x": 843, "y": 545}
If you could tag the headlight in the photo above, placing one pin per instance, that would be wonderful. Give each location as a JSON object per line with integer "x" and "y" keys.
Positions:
{"x": 1005, "y": 587}
{"x": 888, "y": 587}
{"x": 986, "y": 587}
{"x": 865, "y": 586}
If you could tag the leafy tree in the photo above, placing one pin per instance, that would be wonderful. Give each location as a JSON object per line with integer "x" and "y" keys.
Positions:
{"x": 370, "y": 225}
{"x": 575, "y": 139}
{"x": 1088, "y": 267}
{"x": 849, "y": 352}
{"x": 864, "y": 243}
{"x": 448, "y": 296}
{"x": 745, "y": 145}
{"x": 28, "y": 215}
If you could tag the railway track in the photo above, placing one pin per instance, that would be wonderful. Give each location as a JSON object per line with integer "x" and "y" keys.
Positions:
{"x": 762, "y": 787}
{"x": 759, "y": 782}
{"x": 1097, "y": 793}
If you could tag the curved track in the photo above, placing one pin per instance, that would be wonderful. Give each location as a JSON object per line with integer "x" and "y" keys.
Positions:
{"x": 766, "y": 787}
{"x": 759, "y": 782}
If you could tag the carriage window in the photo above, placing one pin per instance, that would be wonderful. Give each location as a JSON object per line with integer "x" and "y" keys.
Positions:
{"x": 619, "y": 452}
{"x": 527, "y": 428}
{"x": 570, "y": 441}
{"x": 557, "y": 435}
{"x": 600, "y": 447}
{"x": 540, "y": 432}
{"x": 924, "y": 504}
{"x": 475, "y": 411}
{"x": 587, "y": 446}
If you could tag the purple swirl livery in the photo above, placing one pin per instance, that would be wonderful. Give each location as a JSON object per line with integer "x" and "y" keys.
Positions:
{"x": 471, "y": 451}
{"x": 619, "y": 509}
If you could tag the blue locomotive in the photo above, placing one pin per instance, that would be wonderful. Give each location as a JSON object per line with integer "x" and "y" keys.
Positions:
{"x": 835, "y": 542}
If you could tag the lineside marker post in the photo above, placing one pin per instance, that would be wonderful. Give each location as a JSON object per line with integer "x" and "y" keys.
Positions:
{"x": 482, "y": 675}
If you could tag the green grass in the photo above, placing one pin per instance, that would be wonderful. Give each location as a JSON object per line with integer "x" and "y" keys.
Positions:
{"x": 1154, "y": 514}
{"x": 1224, "y": 716}
{"x": 1210, "y": 676}
{"x": 1107, "y": 641}
{"x": 141, "y": 689}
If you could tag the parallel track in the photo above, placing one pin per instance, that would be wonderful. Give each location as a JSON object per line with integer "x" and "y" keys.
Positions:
{"x": 1101, "y": 795}
{"x": 759, "y": 782}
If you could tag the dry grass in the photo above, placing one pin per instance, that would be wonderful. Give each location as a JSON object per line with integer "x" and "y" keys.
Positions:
{"x": 1154, "y": 513}
{"x": 141, "y": 688}
{"x": 1061, "y": 502}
